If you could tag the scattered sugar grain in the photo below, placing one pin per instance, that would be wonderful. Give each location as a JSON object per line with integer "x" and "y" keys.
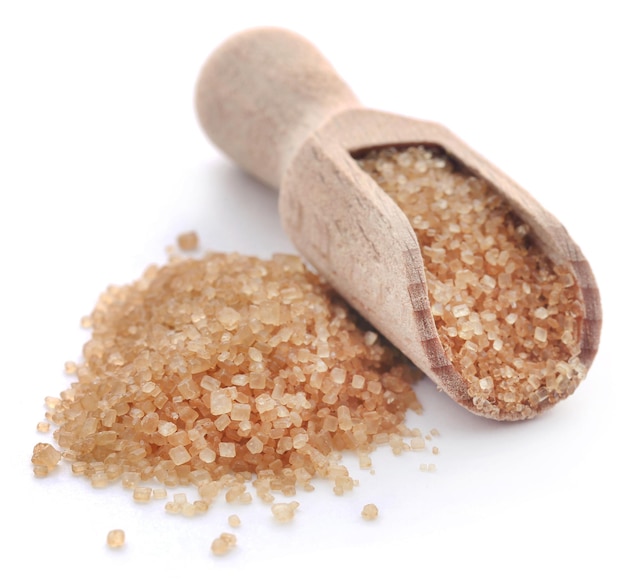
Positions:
{"x": 45, "y": 458}
{"x": 116, "y": 538}
{"x": 40, "y": 471}
{"x": 142, "y": 494}
{"x": 70, "y": 367}
{"x": 369, "y": 512}
{"x": 223, "y": 544}
{"x": 418, "y": 443}
{"x": 159, "y": 493}
{"x": 365, "y": 461}
{"x": 130, "y": 479}
{"x": 199, "y": 506}
{"x": 171, "y": 507}
{"x": 188, "y": 241}
{"x": 99, "y": 480}
{"x": 79, "y": 467}
{"x": 284, "y": 512}
{"x": 234, "y": 521}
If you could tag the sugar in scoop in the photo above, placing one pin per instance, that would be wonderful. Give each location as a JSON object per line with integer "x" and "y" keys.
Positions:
{"x": 508, "y": 318}
{"x": 485, "y": 291}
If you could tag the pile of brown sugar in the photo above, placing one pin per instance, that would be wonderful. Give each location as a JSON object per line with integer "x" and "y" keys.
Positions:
{"x": 227, "y": 370}
{"x": 508, "y": 318}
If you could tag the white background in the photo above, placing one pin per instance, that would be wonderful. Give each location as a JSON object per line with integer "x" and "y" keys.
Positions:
{"x": 102, "y": 165}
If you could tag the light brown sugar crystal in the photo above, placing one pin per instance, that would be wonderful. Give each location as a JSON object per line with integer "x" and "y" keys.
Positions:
{"x": 224, "y": 543}
{"x": 70, "y": 367}
{"x": 142, "y": 494}
{"x": 507, "y": 317}
{"x": 45, "y": 458}
{"x": 369, "y": 512}
{"x": 218, "y": 371}
{"x": 159, "y": 493}
{"x": 234, "y": 521}
{"x": 284, "y": 512}
{"x": 43, "y": 426}
{"x": 188, "y": 241}
{"x": 116, "y": 538}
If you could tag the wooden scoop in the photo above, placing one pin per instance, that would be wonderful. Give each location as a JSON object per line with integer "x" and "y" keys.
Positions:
{"x": 271, "y": 102}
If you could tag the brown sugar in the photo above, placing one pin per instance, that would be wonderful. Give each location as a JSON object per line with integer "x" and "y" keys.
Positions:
{"x": 223, "y": 371}
{"x": 234, "y": 521}
{"x": 188, "y": 241}
{"x": 116, "y": 538}
{"x": 224, "y": 543}
{"x": 284, "y": 512}
{"x": 43, "y": 426}
{"x": 369, "y": 512}
{"x": 45, "y": 458}
{"x": 508, "y": 318}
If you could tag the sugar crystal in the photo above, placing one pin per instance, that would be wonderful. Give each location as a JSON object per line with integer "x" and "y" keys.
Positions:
{"x": 116, "y": 538}
{"x": 370, "y": 512}
{"x": 224, "y": 543}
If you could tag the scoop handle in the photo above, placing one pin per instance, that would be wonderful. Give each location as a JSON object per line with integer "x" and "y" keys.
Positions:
{"x": 262, "y": 93}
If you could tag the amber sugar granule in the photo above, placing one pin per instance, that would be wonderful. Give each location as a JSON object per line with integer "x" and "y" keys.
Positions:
{"x": 224, "y": 543}
{"x": 223, "y": 370}
{"x": 45, "y": 458}
{"x": 188, "y": 241}
{"x": 116, "y": 538}
{"x": 508, "y": 318}
{"x": 369, "y": 512}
